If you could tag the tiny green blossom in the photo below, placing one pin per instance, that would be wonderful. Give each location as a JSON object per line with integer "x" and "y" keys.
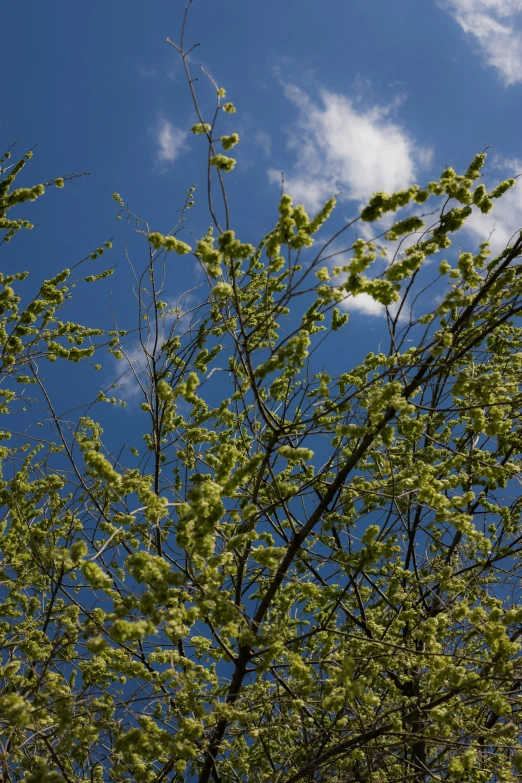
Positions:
{"x": 15, "y": 710}
{"x": 223, "y": 290}
{"x": 406, "y": 226}
{"x": 95, "y": 576}
{"x": 101, "y": 466}
{"x": 502, "y": 188}
{"x": 200, "y": 127}
{"x": 222, "y": 163}
{"x": 22, "y": 195}
{"x": 229, "y": 141}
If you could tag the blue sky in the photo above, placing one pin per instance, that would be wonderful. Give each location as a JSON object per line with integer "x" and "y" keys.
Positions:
{"x": 344, "y": 96}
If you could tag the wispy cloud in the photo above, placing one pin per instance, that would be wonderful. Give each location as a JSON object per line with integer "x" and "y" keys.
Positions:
{"x": 133, "y": 372}
{"x": 263, "y": 140}
{"x": 365, "y": 305}
{"x": 341, "y": 145}
{"x": 496, "y": 26}
{"x": 150, "y": 73}
{"x": 147, "y": 73}
{"x": 171, "y": 141}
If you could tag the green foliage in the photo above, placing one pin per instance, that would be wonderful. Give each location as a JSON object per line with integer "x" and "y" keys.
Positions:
{"x": 312, "y": 571}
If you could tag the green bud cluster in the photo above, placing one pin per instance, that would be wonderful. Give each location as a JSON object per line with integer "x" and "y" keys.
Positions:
{"x": 198, "y": 519}
{"x": 381, "y": 203}
{"x": 222, "y": 163}
{"x": 223, "y": 291}
{"x": 406, "y": 226}
{"x": 293, "y": 353}
{"x": 200, "y": 128}
{"x": 232, "y": 247}
{"x": 170, "y": 243}
{"x": 22, "y": 195}
{"x": 101, "y": 466}
{"x": 229, "y": 141}
{"x": 295, "y": 454}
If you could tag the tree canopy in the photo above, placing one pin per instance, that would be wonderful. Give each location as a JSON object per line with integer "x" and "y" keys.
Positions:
{"x": 304, "y": 575}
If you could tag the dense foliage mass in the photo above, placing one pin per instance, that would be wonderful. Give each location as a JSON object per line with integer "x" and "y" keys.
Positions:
{"x": 304, "y": 576}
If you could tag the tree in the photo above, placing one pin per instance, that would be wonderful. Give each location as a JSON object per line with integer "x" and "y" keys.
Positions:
{"x": 304, "y": 576}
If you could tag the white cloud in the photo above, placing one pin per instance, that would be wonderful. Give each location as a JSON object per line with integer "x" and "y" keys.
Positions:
{"x": 341, "y": 146}
{"x": 496, "y": 26}
{"x": 364, "y": 304}
{"x": 171, "y": 141}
